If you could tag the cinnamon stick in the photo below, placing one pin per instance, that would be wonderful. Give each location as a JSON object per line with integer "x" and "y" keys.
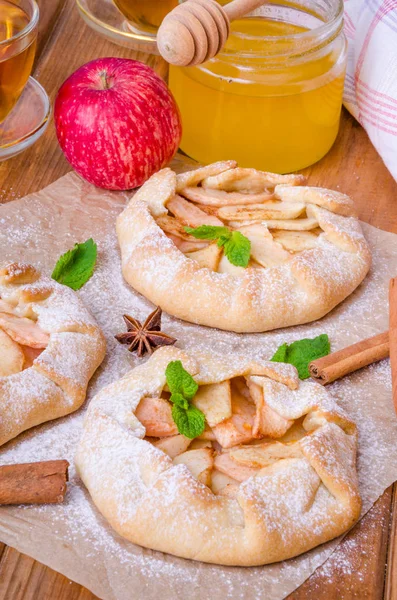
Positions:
{"x": 34, "y": 483}
{"x": 393, "y": 336}
{"x": 336, "y": 365}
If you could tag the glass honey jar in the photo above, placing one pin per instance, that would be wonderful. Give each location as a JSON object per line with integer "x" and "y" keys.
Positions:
{"x": 272, "y": 98}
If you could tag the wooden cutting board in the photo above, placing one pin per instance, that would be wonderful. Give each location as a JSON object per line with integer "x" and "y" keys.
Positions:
{"x": 364, "y": 566}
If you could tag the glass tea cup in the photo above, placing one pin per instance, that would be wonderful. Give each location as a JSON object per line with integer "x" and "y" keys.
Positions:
{"x": 145, "y": 16}
{"x": 25, "y": 108}
{"x": 18, "y": 36}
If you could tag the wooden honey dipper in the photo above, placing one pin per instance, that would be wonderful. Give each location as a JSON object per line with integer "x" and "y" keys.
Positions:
{"x": 197, "y": 30}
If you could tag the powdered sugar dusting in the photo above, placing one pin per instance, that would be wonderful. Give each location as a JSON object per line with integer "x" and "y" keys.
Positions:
{"x": 307, "y": 502}
{"x": 73, "y": 538}
{"x": 243, "y": 299}
{"x": 68, "y": 357}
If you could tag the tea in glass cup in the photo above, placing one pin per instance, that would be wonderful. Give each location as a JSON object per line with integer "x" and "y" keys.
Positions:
{"x": 18, "y": 35}
{"x": 145, "y": 15}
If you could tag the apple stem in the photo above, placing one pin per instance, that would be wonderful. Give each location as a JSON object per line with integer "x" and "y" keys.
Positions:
{"x": 104, "y": 79}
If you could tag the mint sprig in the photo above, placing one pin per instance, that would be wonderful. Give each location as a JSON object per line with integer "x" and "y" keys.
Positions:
{"x": 75, "y": 267}
{"x": 302, "y": 352}
{"x": 189, "y": 420}
{"x": 179, "y": 381}
{"x": 208, "y": 232}
{"x": 236, "y": 246}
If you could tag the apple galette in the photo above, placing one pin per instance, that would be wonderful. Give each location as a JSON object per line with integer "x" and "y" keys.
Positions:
{"x": 241, "y": 249}
{"x": 230, "y": 461}
{"x": 50, "y": 347}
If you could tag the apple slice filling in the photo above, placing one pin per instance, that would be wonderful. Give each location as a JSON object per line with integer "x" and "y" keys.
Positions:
{"x": 257, "y": 204}
{"x": 11, "y": 356}
{"x": 243, "y": 435}
{"x": 21, "y": 341}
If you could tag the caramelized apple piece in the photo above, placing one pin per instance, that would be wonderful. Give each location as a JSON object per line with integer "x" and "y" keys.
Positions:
{"x": 296, "y": 241}
{"x": 24, "y": 331}
{"x": 240, "y": 387}
{"x": 199, "y": 462}
{"x": 225, "y": 464}
{"x": 208, "y": 257}
{"x": 189, "y": 214}
{"x": 172, "y": 226}
{"x": 155, "y": 415}
{"x": 225, "y": 266}
{"x": 220, "y": 198}
{"x": 215, "y": 402}
{"x": 300, "y": 224}
{"x": 261, "y": 212}
{"x": 11, "y": 356}
{"x": 219, "y": 481}
{"x": 264, "y": 249}
{"x": 198, "y": 443}
{"x": 295, "y": 432}
{"x": 304, "y": 224}
{"x": 263, "y": 455}
{"x": 249, "y": 180}
{"x": 239, "y": 428}
{"x": 185, "y": 246}
{"x": 174, "y": 445}
{"x": 268, "y": 423}
{"x": 194, "y": 177}
{"x": 205, "y": 477}
{"x": 230, "y": 490}
{"x": 207, "y": 434}
{"x": 30, "y": 355}
{"x": 210, "y": 210}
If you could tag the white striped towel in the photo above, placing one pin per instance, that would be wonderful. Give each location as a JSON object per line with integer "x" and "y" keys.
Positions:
{"x": 371, "y": 80}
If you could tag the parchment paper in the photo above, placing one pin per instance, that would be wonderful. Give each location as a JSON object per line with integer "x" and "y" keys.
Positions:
{"x": 73, "y": 538}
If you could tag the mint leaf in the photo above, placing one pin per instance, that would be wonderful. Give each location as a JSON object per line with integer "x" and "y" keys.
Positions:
{"x": 224, "y": 238}
{"x": 281, "y": 354}
{"x": 236, "y": 246}
{"x": 190, "y": 422}
{"x": 208, "y": 232}
{"x": 302, "y": 352}
{"x": 179, "y": 400}
{"x": 179, "y": 381}
{"x": 75, "y": 267}
{"x": 238, "y": 249}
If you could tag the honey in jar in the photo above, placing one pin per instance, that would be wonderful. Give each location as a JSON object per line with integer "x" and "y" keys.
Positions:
{"x": 146, "y": 15}
{"x": 272, "y": 98}
{"x": 16, "y": 54}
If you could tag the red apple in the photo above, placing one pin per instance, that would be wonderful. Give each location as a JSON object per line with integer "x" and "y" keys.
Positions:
{"x": 117, "y": 122}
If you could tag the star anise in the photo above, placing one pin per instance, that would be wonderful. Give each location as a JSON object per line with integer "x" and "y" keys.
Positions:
{"x": 147, "y": 337}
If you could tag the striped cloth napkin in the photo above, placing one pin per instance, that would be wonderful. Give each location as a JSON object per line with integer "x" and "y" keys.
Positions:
{"x": 371, "y": 80}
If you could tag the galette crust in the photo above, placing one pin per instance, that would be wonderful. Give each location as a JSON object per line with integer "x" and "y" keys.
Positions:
{"x": 302, "y": 289}
{"x": 56, "y": 383}
{"x": 286, "y": 509}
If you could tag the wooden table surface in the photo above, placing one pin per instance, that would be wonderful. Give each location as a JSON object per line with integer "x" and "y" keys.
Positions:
{"x": 364, "y": 566}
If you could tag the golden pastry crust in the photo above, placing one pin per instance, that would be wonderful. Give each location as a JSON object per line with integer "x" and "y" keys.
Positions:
{"x": 298, "y": 283}
{"x": 308, "y": 496}
{"x": 55, "y": 383}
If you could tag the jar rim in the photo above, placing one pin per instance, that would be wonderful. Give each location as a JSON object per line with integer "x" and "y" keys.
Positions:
{"x": 304, "y": 40}
{"x": 33, "y": 21}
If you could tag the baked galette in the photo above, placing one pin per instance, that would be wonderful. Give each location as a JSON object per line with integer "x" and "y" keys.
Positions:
{"x": 241, "y": 249}
{"x": 50, "y": 347}
{"x": 270, "y": 474}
